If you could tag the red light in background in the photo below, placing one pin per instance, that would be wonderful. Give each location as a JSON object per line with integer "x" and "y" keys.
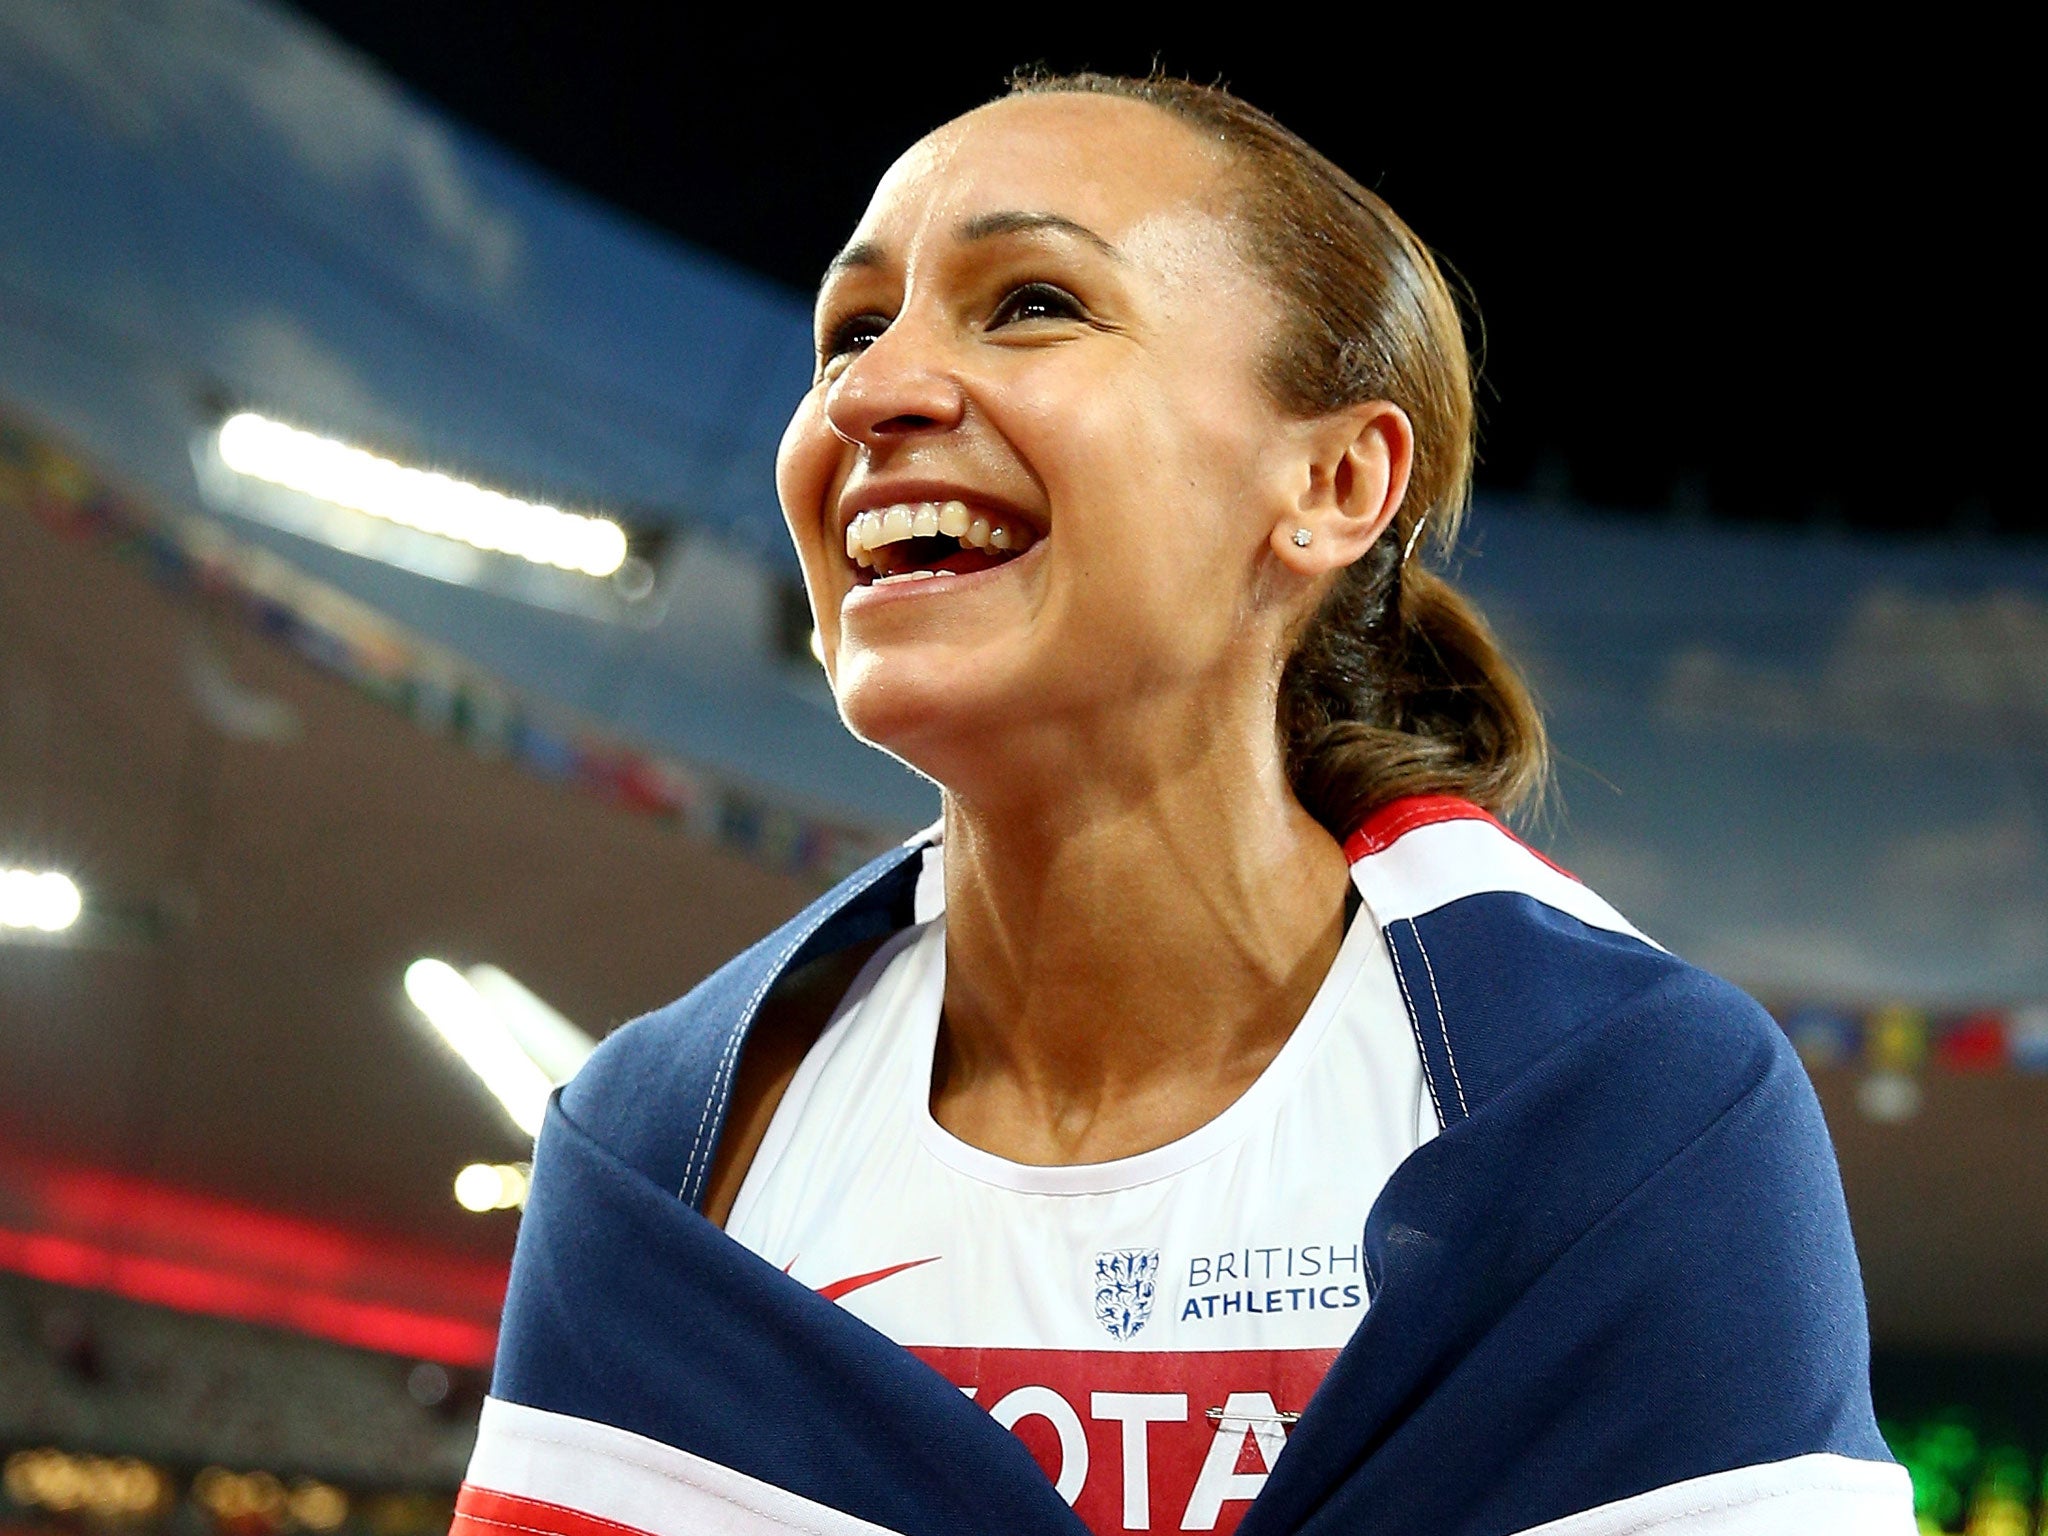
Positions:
{"x": 196, "y": 1253}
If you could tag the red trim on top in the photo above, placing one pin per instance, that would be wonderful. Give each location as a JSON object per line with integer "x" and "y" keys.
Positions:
{"x": 486, "y": 1512}
{"x": 1397, "y": 818}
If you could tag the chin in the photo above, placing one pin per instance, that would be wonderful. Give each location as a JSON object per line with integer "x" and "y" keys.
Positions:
{"x": 932, "y": 718}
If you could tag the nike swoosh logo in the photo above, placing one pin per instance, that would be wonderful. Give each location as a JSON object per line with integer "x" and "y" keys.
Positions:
{"x": 851, "y": 1283}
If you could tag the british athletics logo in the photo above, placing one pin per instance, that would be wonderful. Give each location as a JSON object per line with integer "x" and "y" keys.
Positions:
{"x": 1126, "y": 1281}
{"x": 1255, "y": 1282}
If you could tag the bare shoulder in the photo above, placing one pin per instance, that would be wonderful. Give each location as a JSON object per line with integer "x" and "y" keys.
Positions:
{"x": 792, "y": 1017}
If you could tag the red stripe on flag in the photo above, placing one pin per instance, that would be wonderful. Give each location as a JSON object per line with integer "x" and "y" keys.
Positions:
{"x": 486, "y": 1512}
{"x": 1397, "y": 818}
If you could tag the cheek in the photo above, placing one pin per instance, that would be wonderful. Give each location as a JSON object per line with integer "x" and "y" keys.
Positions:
{"x": 804, "y": 463}
{"x": 807, "y": 464}
{"x": 1158, "y": 493}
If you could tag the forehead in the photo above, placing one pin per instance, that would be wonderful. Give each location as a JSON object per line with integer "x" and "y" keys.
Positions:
{"x": 1118, "y": 166}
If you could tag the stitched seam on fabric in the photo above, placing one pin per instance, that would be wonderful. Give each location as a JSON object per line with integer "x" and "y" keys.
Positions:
{"x": 1415, "y": 1027}
{"x": 541, "y": 1530}
{"x": 1380, "y": 841}
{"x": 580, "y": 1514}
{"x": 728, "y": 1061}
{"x": 1442, "y": 1027}
{"x": 1402, "y": 825}
{"x": 667, "y": 1476}
{"x": 1688, "y": 1510}
{"x": 780, "y": 1521}
{"x": 617, "y": 1525}
{"x": 718, "y": 1074}
{"x": 1383, "y": 838}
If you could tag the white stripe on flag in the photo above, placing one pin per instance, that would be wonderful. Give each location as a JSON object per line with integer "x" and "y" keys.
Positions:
{"x": 1818, "y": 1495}
{"x": 630, "y": 1480}
{"x": 1446, "y": 861}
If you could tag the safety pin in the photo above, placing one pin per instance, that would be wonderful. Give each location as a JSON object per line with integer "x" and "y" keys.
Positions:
{"x": 1215, "y": 1416}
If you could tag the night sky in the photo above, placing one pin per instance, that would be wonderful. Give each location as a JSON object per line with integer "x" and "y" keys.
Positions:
{"x": 1718, "y": 278}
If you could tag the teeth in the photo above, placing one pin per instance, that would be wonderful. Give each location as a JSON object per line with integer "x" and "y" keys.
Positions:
{"x": 870, "y": 531}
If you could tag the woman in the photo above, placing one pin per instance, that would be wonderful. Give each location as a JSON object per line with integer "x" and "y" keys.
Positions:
{"x": 1220, "y": 1079}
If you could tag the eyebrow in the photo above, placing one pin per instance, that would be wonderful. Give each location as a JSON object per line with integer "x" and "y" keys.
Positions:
{"x": 986, "y": 226}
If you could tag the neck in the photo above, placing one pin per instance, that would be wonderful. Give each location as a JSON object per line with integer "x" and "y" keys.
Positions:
{"x": 1121, "y": 966}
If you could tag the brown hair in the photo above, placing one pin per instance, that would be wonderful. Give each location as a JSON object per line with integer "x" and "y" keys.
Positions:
{"x": 1395, "y": 686}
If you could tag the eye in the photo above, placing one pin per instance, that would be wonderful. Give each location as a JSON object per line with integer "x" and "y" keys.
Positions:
{"x": 1036, "y": 301}
{"x": 856, "y": 333}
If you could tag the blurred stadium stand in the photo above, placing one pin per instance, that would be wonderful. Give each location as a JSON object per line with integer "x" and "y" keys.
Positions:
{"x": 190, "y": 1391}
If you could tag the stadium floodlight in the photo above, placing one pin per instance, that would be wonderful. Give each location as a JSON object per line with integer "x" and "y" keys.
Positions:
{"x": 491, "y": 1187}
{"x": 421, "y": 499}
{"x": 39, "y": 899}
{"x": 557, "y": 1046}
{"x": 476, "y": 1032}
{"x": 513, "y": 1041}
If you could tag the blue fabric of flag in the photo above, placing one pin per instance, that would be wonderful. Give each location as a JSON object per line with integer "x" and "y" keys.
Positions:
{"x": 1624, "y": 1263}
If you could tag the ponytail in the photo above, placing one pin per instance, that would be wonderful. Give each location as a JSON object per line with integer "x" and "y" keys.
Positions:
{"x": 1398, "y": 687}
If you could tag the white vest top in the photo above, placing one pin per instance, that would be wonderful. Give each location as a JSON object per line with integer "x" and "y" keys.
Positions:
{"x": 1148, "y": 1326}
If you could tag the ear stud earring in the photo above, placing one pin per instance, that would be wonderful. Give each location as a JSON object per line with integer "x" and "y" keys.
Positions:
{"x": 1302, "y": 537}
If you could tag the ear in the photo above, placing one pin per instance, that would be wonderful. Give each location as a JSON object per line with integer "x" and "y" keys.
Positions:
{"x": 1357, "y": 464}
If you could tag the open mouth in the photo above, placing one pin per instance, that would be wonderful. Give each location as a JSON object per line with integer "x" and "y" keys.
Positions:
{"x": 920, "y": 540}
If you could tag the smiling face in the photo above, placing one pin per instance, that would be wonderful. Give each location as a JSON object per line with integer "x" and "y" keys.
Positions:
{"x": 1043, "y": 325}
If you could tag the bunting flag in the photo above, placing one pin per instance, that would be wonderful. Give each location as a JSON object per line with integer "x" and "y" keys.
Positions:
{"x": 1901, "y": 1041}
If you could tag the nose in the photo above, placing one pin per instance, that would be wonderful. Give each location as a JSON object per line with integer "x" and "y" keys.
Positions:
{"x": 899, "y": 386}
